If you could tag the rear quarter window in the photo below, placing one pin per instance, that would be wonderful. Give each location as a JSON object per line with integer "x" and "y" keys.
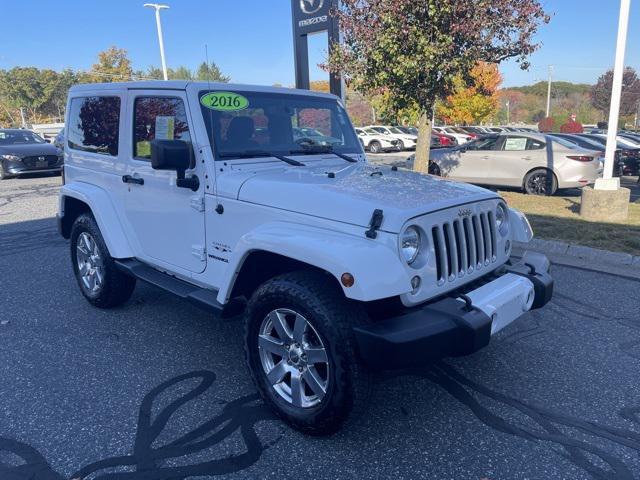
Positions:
{"x": 94, "y": 124}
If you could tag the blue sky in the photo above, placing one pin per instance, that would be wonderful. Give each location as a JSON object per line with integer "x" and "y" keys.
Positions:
{"x": 251, "y": 40}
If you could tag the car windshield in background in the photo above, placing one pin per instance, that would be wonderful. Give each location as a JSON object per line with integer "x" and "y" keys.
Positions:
{"x": 239, "y": 123}
{"x": 11, "y": 137}
{"x": 563, "y": 141}
{"x": 396, "y": 130}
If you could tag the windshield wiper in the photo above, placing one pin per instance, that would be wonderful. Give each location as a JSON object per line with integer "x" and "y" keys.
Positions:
{"x": 316, "y": 149}
{"x": 260, "y": 153}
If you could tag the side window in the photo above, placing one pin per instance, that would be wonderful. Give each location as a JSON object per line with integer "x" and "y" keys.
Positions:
{"x": 94, "y": 124}
{"x": 534, "y": 144}
{"x": 515, "y": 144}
{"x": 483, "y": 144}
{"x": 161, "y": 118}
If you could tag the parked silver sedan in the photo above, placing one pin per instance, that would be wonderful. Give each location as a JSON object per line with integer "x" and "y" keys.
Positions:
{"x": 537, "y": 163}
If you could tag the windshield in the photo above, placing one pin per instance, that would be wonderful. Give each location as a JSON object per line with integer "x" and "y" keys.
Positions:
{"x": 564, "y": 142}
{"x": 396, "y": 130}
{"x": 10, "y": 137}
{"x": 277, "y": 123}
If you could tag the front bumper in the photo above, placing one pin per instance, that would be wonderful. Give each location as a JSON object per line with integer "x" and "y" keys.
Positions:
{"x": 13, "y": 167}
{"x": 457, "y": 326}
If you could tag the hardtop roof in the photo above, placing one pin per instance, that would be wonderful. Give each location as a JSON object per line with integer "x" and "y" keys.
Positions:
{"x": 184, "y": 84}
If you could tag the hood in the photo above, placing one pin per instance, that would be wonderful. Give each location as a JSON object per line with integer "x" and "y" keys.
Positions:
{"x": 30, "y": 149}
{"x": 353, "y": 194}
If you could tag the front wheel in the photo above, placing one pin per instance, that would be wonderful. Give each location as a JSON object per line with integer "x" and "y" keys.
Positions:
{"x": 400, "y": 145}
{"x": 3, "y": 173}
{"x": 101, "y": 283}
{"x": 301, "y": 352}
{"x": 375, "y": 147}
{"x": 540, "y": 182}
{"x": 434, "y": 169}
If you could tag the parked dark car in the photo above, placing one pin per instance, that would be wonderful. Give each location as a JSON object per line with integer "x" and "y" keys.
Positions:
{"x": 626, "y": 160}
{"x": 22, "y": 151}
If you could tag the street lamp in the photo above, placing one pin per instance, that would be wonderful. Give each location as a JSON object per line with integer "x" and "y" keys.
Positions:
{"x": 157, "y": 8}
{"x": 507, "y": 104}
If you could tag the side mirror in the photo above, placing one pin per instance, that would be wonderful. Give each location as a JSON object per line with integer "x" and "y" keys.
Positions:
{"x": 174, "y": 155}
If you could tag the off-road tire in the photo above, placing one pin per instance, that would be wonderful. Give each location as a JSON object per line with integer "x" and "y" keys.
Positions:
{"x": 549, "y": 184}
{"x": 320, "y": 300}
{"x": 117, "y": 287}
{"x": 375, "y": 147}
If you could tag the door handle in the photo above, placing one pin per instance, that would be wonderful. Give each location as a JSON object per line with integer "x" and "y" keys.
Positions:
{"x": 130, "y": 179}
{"x": 526, "y": 158}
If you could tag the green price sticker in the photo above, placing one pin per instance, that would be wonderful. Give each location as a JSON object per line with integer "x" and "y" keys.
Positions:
{"x": 224, "y": 101}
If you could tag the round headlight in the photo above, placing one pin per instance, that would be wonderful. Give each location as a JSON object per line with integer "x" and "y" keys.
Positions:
{"x": 502, "y": 219}
{"x": 410, "y": 244}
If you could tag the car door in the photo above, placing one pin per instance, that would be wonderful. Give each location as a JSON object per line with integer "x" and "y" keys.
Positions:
{"x": 167, "y": 221}
{"x": 516, "y": 155}
{"x": 471, "y": 162}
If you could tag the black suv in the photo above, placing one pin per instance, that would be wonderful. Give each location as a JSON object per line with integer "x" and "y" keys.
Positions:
{"x": 22, "y": 151}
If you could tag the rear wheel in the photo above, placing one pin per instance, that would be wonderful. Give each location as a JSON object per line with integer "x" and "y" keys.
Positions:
{"x": 101, "y": 283}
{"x": 540, "y": 182}
{"x": 375, "y": 147}
{"x": 301, "y": 352}
{"x": 434, "y": 169}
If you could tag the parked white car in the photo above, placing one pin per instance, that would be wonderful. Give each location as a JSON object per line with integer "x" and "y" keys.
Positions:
{"x": 375, "y": 142}
{"x": 460, "y": 135}
{"x": 406, "y": 141}
{"x": 204, "y": 191}
{"x": 539, "y": 164}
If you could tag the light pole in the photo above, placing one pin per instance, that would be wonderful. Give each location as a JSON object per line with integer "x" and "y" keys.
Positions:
{"x": 607, "y": 202}
{"x": 549, "y": 91}
{"x": 616, "y": 93}
{"x": 507, "y": 104}
{"x": 157, "y": 8}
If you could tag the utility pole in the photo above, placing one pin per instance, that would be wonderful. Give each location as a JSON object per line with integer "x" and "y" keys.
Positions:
{"x": 507, "y": 104}
{"x": 157, "y": 8}
{"x": 549, "y": 91}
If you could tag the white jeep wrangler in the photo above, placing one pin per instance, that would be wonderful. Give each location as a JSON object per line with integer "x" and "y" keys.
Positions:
{"x": 344, "y": 267}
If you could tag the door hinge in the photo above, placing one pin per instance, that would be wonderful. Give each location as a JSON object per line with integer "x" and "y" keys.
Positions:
{"x": 197, "y": 203}
{"x": 199, "y": 252}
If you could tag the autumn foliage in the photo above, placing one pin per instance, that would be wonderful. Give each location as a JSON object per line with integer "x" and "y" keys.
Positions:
{"x": 546, "y": 124}
{"x": 478, "y": 101}
{"x": 571, "y": 126}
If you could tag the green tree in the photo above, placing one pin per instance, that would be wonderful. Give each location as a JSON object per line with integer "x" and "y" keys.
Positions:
{"x": 211, "y": 73}
{"x": 113, "y": 66}
{"x": 415, "y": 51}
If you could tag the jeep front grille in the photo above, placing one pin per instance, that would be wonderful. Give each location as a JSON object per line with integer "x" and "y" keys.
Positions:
{"x": 464, "y": 245}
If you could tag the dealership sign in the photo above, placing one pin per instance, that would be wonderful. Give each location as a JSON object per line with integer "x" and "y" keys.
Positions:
{"x": 313, "y": 16}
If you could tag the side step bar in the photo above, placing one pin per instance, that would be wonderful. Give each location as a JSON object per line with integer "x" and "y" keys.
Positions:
{"x": 197, "y": 295}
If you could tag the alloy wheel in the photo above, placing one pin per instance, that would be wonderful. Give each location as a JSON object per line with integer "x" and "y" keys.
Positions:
{"x": 294, "y": 358}
{"x": 537, "y": 184}
{"x": 89, "y": 261}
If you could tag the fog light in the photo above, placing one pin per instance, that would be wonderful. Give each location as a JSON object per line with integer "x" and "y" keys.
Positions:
{"x": 507, "y": 246}
{"x": 347, "y": 280}
{"x": 415, "y": 284}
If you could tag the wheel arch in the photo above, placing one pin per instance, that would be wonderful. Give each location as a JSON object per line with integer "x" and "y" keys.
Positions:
{"x": 533, "y": 169}
{"x": 78, "y": 198}
{"x": 279, "y": 247}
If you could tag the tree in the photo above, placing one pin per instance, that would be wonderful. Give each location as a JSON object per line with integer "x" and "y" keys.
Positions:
{"x": 601, "y": 92}
{"x": 477, "y": 102}
{"x": 113, "y": 66}
{"x": 413, "y": 51}
{"x": 211, "y": 73}
{"x": 571, "y": 126}
{"x": 546, "y": 125}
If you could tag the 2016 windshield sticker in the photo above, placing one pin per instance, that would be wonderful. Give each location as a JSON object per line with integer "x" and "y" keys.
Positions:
{"x": 224, "y": 101}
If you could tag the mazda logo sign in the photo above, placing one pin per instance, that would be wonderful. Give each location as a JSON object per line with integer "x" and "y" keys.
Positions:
{"x": 311, "y": 6}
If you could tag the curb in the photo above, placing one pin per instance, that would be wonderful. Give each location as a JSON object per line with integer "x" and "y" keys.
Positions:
{"x": 584, "y": 257}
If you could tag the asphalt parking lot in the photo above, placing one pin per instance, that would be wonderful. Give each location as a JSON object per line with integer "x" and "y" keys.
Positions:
{"x": 157, "y": 389}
